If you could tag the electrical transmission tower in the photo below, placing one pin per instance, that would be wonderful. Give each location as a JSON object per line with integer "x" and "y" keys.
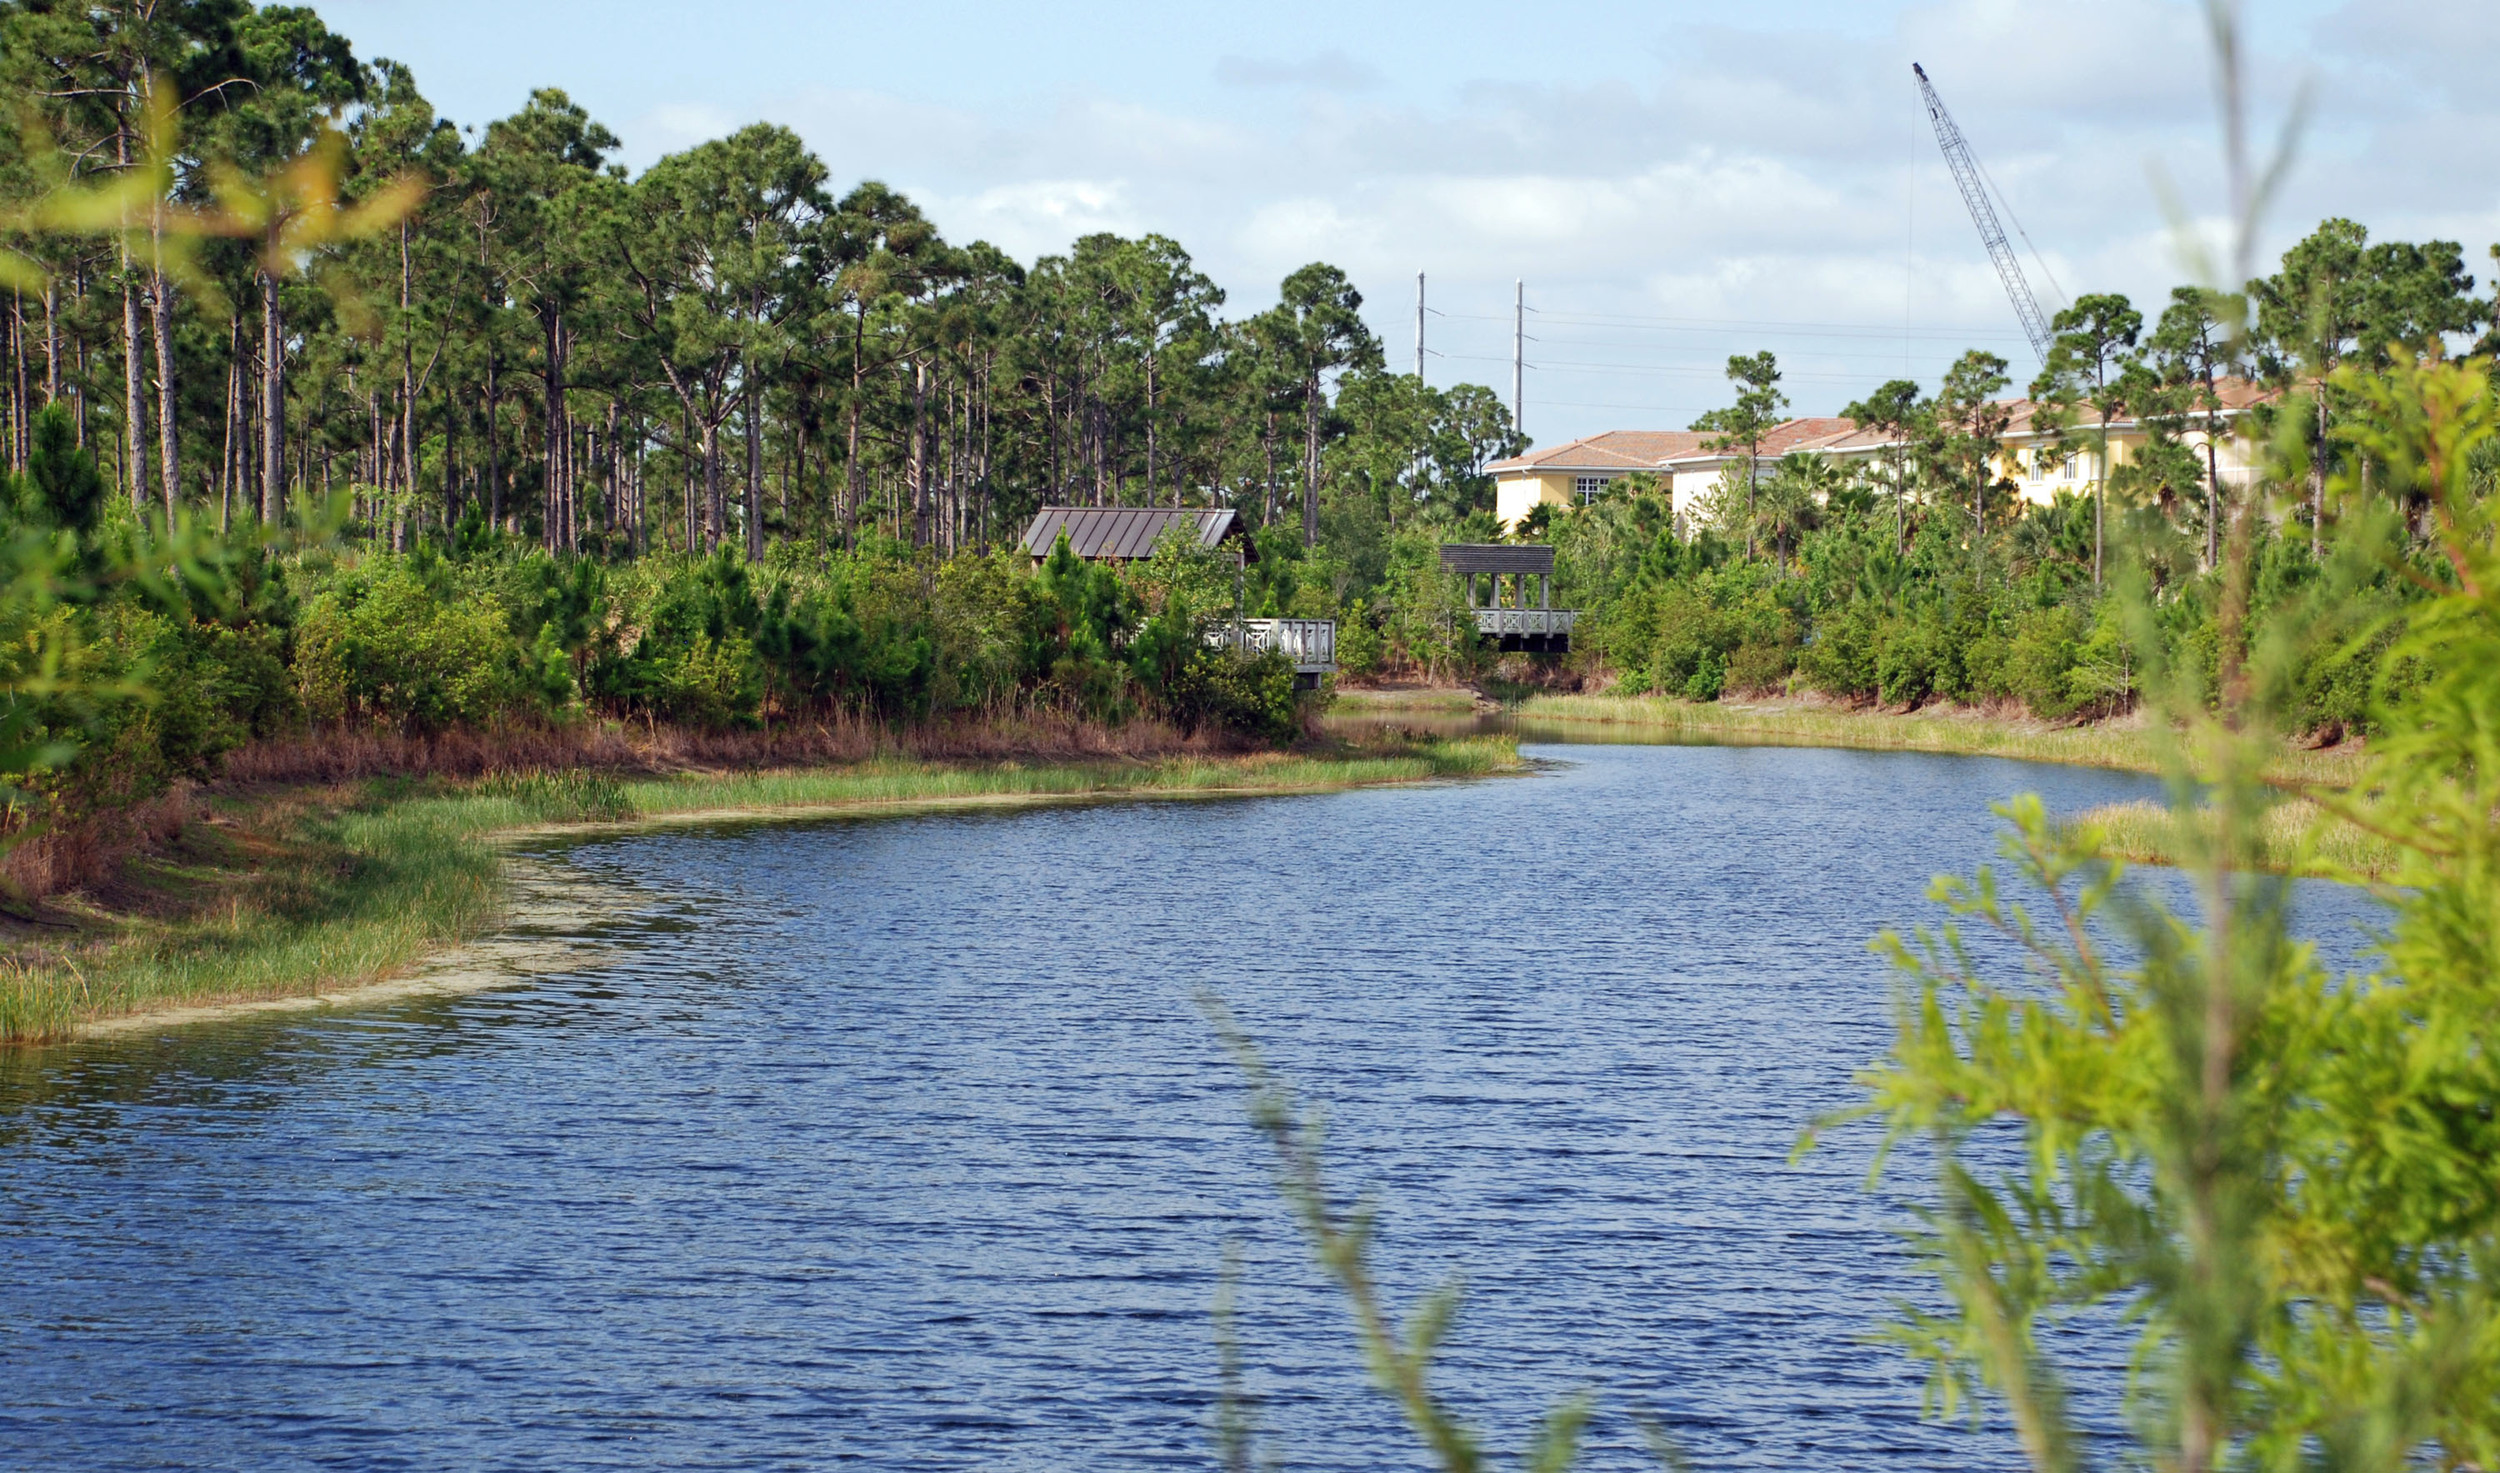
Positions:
{"x": 1957, "y": 156}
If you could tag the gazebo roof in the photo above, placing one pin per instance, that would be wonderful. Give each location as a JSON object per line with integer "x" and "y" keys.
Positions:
{"x": 1124, "y": 533}
{"x": 1497, "y": 557}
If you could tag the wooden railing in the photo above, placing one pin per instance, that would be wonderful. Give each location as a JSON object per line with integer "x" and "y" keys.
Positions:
{"x": 1310, "y": 643}
{"x": 1546, "y": 622}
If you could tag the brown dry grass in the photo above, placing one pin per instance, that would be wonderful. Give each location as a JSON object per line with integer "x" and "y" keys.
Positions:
{"x": 86, "y": 852}
{"x": 350, "y": 755}
{"x": 65, "y": 855}
{"x": 2126, "y": 743}
{"x": 293, "y": 890}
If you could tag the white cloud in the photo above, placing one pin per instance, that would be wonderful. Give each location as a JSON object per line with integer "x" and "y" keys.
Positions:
{"x": 678, "y": 125}
{"x": 1757, "y": 175}
{"x": 1036, "y": 218}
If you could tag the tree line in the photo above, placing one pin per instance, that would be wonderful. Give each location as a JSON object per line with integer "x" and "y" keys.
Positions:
{"x": 2336, "y": 300}
{"x": 724, "y": 349}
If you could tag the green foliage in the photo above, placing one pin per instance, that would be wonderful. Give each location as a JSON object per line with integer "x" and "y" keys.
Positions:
{"x": 1398, "y": 1354}
{"x": 2283, "y": 1176}
{"x": 1250, "y": 696}
{"x": 386, "y": 644}
{"x": 62, "y": 489}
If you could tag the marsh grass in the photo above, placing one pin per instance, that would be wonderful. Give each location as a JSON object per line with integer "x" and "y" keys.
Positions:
{"x": 1961, "y": 732}
{"x": 1365, "y": 702}
{"x": 303, "y": 891}
{"x": 914, "y": 782}
{"x": 2293, "y": 837}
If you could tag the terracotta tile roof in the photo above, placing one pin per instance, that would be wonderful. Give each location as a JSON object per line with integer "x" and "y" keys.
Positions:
{"x": 1815, "y": 433}
{"x": 2236, "y": 394}
{"x": 1856, "y": 441}
{"x": 1808, "y": 434}
{"x": 1615, "y": 450}
{"x": 1640, "y": 450}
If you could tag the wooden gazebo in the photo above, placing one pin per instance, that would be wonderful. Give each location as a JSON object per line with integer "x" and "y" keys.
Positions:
{"x": 1130, "y": 533}
{"x": 1514, "y": 623}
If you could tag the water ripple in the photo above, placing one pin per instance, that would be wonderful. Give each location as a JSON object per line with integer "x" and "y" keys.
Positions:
{"x": 901, "y": 1142}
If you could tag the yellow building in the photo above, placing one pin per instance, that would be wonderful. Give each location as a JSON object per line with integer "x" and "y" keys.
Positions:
{"x": 1579, "y": 472}
{"x": 2039, "y": 463}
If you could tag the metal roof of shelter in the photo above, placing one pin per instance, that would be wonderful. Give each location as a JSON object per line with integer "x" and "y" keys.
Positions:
{"x": 1497, "y": 557}
{"x": 1122, "y": 533}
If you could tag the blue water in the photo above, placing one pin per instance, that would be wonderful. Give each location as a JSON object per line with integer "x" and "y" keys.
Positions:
{"x": 903, "y": 1142}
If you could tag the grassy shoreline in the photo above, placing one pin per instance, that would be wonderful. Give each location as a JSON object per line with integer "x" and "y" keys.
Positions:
{"x": 2296, "y": 838}
{"x": 2121, "y": 745}
{"x": 305, "y": 891}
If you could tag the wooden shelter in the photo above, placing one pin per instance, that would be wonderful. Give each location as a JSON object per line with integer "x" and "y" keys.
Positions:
{"x": 1514, "y": 624}
{"x": 1126, "y": 533}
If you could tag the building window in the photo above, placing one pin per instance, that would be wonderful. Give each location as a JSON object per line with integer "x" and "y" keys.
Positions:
{"x": 1589, "y": 488}
{"x": 2066, "y": 468}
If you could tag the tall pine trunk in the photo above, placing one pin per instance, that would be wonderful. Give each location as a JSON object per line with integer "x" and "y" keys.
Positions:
{"x": 551, "y": 491}
{"x": 168, "y": 433}
{"x": 272, "y": 401}
{"x": 2317, "y": 480}
{"x": 134, "y": 408}
{"x": 755, "y": 475}
{"x": 715, "y": 502}
{"x": 1310, "y": 463}
{"x": 1267, "y": 443}
{"x": 134, "y": 398}
{"x": 19, "y": 404}
{"x": 51, "y": 341}
{"x": 919, "y": 454}
{"x": 408, "y": 385}
{"x": 855, "y": 487}
{"x": 494, "y": 457}
{"x": 229, "y": 460}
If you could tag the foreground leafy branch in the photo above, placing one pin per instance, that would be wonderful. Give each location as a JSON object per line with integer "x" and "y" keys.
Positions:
{"x": 2289, "y": 1181}
{"x": 1399, "y": 1355}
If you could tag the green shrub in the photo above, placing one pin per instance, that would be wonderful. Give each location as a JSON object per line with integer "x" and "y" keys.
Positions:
{"x": 1760, "y": 665}
{"x": 1251, "y": 697}
{"x": 2104, "y": 673}
{"x": 1708, "y": 677}
{"x": 1840, "y": 658}
{"x": 1906, "y": 661}
{"x": 381, "y": 644}
{"x": 2038, "y": 659}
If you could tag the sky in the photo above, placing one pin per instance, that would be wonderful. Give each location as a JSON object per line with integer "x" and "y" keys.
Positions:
{"x": 1673, "y": 181}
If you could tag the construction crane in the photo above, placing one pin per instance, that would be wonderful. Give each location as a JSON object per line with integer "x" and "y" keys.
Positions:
{"x": 1957, "y": 157}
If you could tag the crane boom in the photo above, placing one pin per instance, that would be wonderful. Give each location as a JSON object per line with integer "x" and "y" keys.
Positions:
{"x": 1957, "y": 157}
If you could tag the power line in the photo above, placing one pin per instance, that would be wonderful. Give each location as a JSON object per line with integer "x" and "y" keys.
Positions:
{"x": 1814, "y": 354}
{"x": 1641, "y": 408}
{"x": 1576, "y": 365}
{"x": 1726, "y": 325}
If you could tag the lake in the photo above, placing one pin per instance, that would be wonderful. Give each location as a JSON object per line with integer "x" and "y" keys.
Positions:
{"x": 904, "y": 1142}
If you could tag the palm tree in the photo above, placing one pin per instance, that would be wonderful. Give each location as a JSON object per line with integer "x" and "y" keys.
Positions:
{"x": 1791, "y": 502}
